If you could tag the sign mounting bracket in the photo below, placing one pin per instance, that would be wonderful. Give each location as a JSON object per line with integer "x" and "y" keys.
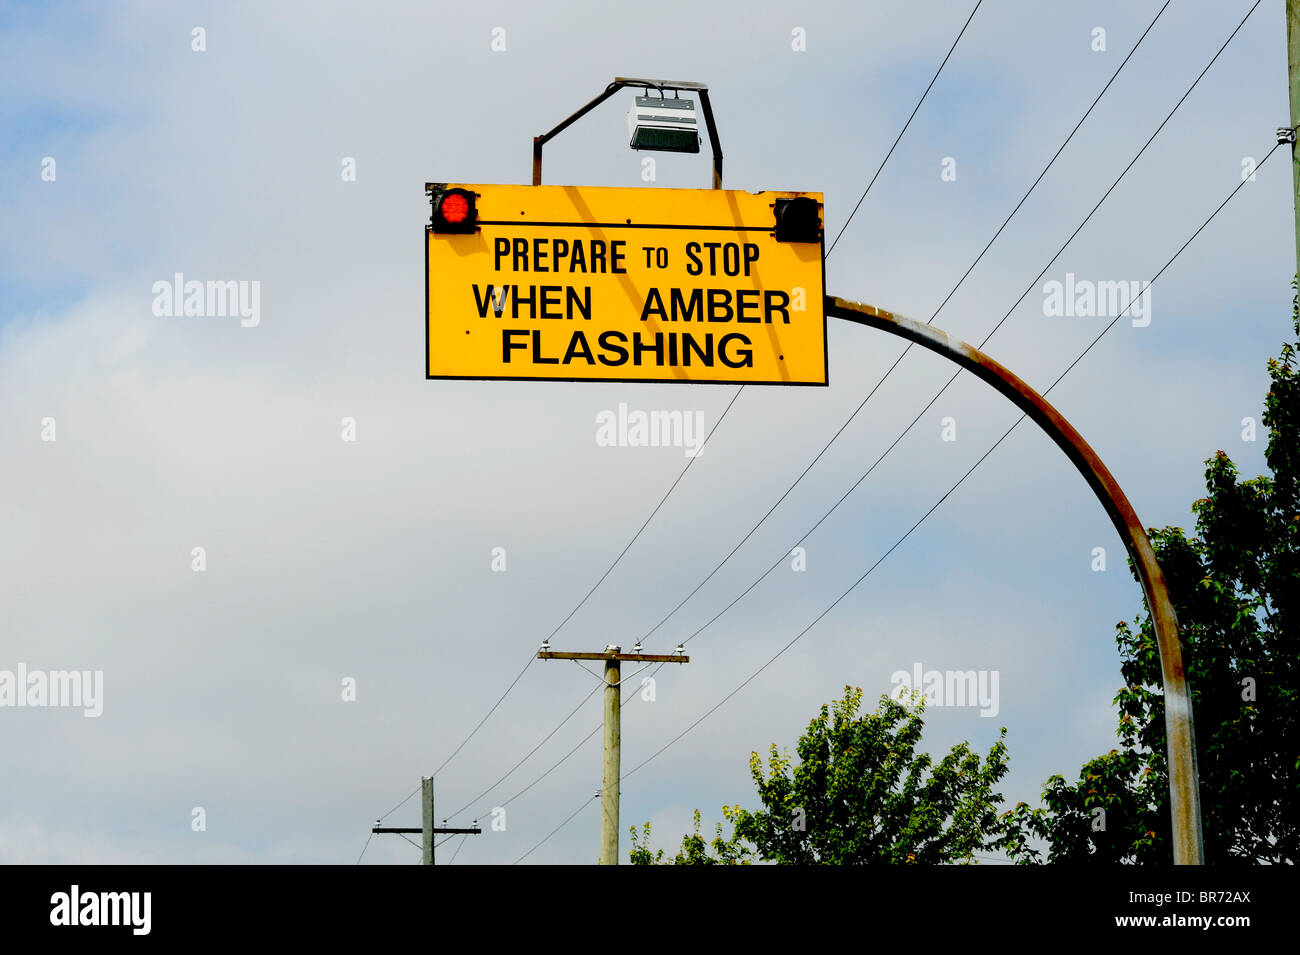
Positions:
{"x": 622, "y": 82}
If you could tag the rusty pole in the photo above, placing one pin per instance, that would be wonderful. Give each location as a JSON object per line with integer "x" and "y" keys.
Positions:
{"x": 1293, "y": 87}
{"x": 1184, "y": 790}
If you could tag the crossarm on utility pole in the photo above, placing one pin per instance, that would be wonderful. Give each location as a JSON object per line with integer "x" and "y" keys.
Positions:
{"x": 628, "y": 657}
{"x": 613, "y": 748}
{"x": 427, "y": 830}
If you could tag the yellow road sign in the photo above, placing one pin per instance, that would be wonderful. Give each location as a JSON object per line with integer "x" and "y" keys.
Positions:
{"x": 613, "y": 284}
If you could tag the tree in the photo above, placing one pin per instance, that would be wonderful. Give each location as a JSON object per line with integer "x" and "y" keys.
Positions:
{"x": 1235, "y": 587}
{"x": 694, "y": 850}
{"x": 859, "y": 794}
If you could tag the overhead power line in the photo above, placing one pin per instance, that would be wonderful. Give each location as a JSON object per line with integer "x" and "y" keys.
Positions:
{"x": 1051, "y": 162}
{"x": 861, "y": 198}
{"x": 458, "y": 848}
{"x": 528, "y": 755}
{"x": 865, "y": 474}
{"x": 898, "y": 139}
{"x": 479, "y": 725}
{"x": 950, "y": 490}
{"x": 889, "y": 371}
{"x": 1000, "y": 440}
{"x": 587, "y": 596}
{"x": 559, "y": 762}
{"x": 646, "y": 523}
{"x": 370, "y": 836}
{"x": 577, "y": 607}
{"x": 545, "y": 839}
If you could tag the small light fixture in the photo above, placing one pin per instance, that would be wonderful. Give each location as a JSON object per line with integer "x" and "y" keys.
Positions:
{"x": 664, "y": 125}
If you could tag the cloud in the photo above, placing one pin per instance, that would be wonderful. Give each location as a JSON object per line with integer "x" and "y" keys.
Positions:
{"x": 371, "y": 560}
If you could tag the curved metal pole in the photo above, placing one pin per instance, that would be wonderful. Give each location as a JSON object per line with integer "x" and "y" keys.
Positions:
{"x": 1184, "y": 792}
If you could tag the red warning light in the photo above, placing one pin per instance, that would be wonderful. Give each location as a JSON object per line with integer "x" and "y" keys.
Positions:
{"x": 454, "y": 211}
{"x": 454, "y": 208}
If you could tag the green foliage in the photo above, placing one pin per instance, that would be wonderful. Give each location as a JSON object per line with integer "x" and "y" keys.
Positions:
{"x": 694, "y": 850}
{"x": 1235, "y": 587}
{"x": 859, "y": 794}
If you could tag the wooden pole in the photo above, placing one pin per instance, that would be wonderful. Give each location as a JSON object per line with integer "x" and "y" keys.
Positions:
{"x": 609, "y": 794}
{"x": 613, "y": 755}
{"x": 426, "y": 811}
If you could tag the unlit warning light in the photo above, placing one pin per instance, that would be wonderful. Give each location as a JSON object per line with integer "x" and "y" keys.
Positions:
{"x": 798, "y": 220}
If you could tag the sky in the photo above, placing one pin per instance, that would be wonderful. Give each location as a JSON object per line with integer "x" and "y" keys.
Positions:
{"x": 363, "y": 568}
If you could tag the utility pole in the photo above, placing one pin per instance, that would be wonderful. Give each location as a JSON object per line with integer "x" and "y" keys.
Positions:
{"x": 1293, "y": 83}
{"x": 614, "y": 658}
{"x": 426, "y": 819}
{"x": 427, "y": 829}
